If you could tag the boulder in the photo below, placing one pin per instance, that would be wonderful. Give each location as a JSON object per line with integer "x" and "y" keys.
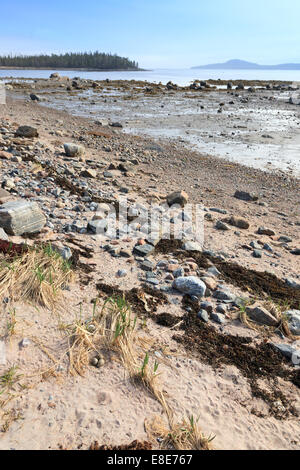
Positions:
{"x": 73, "y": 150}
{"x": 27, "y": 131}
{"x": 190, "y": 285}
{"x": 19, "y": 217}
{"x": 177, "y": 197}
{"x": 261, "y": 315}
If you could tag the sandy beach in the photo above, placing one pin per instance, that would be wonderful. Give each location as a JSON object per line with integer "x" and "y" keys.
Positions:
{"x": 218, "y": 356}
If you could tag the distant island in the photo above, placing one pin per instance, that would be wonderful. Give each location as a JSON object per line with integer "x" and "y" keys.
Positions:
{"x": 237, "y": 64}
{"x": 72, "y": 60}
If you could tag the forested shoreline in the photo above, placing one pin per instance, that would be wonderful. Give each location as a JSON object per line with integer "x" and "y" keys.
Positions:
{"x": 74, "y": 60}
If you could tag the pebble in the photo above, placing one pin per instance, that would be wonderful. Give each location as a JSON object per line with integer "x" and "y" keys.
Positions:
{"x": 222, "y": 226}
{"x": 257, "y": 254}
{"x": 203, "y": 315}
{"x": 122, "y": 273}
{"x": 218, "y": 318}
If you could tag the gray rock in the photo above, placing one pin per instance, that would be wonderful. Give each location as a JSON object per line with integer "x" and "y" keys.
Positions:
{"x": 143, "y": 250}
{"x": 65, "y": 252}
{"x": 257, "y": 254}
{"x": 224, "y": 294}
{"x": 284, "y": 239}
{"x": 286, "y": 350}
{"x": 190, "y": 285}
{"x": 268, "y": 248}
{"x": 73, "y": 150}
{"x": 35, "y": 97}
{"x": 19, "y": 217}
{"x": 116, "y": 124}
{"x": 122, "y": 273}
{"x": 208, "y": 306}
{"x": 97, "y": 226}
{"x": 178, "y": 272}
{"x": 27, "y": 131}
{"x": 203, "y": 315}
{"x": 255, "y": 245}
{"x": 293, "y": 317}
{"x": 265, "y": 231}
{"x": 218, "y": 318}
{"x": 245, "y": 196}
{"x": 222, "y": 226}
{"x": 192, "y": 246}
{"x": 147, "y": 265}
{"x": 219, "y": 211}
{"x": 214, "y": 271}
{"x": 291, "y": 283}
{"x": 152, "y": 281}
{"x": 261, "y": 315}
{"x": 296, "y": 251}
{"x": 221, "y": 308}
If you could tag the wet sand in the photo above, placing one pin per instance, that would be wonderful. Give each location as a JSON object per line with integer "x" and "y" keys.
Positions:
{"x": 259, "y": 129}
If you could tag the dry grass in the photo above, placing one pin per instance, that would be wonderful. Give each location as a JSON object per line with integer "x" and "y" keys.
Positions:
{"x": 114, "y": 328}
{"x": 9, "y": 381}
{"x": 185, "y": 435}
{"x": 37, "y": 275}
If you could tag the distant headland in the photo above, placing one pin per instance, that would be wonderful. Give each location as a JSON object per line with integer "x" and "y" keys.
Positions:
{"x": 237, "y": 64}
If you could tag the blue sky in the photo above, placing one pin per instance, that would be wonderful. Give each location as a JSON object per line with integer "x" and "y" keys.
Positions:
{"x": 157, "y": 33}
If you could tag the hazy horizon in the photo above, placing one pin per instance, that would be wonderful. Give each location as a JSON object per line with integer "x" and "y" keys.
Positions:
{"x": 163, "y": 34}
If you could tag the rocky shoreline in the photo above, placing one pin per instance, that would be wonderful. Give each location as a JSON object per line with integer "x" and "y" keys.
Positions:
{"x": 239, "y": 292}
{"x": 255, "y": 123}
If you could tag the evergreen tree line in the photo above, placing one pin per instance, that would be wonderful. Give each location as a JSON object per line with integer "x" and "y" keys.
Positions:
{"x": 88, "y": 60}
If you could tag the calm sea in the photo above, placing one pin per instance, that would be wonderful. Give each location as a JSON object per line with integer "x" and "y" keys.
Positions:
{"x": 180, "y": 76}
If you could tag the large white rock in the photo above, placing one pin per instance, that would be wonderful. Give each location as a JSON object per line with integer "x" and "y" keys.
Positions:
{"x": 191, "y": 285}
{"x": 19, "y": 217}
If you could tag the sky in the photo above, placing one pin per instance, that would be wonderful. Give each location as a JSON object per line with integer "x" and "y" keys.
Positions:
{"x": 156, "y": 33}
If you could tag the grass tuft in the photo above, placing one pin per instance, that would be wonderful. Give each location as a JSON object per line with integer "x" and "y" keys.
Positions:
{"x": 185, "y": 435}
{"x": 37, "y": 275}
